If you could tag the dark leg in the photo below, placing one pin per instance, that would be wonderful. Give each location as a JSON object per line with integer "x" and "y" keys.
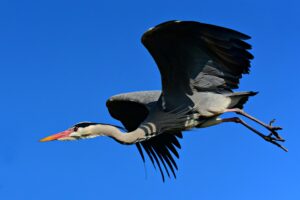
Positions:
{"x": 271, "y": 128}
{"x": 268, "y": 138}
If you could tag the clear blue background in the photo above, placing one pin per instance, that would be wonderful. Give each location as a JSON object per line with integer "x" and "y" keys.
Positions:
{"x": 61, "y": 60}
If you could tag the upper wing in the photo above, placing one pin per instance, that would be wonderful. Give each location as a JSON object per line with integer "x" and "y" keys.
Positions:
{"x": 193, "y": 56}
{"x": 132, "y": 109}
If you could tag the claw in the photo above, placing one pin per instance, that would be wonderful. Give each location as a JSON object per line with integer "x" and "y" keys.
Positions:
{"x": 280, "y": 146}
{"x": 273, "y": 127}
{"x": 275, "y": 141}
{"x": 273, "y": 130}
{"x": 271, "y": 122}
{"x": 270, "y": 138}
{"x": 277, "y": 138}
{"x": 276, "y": 128}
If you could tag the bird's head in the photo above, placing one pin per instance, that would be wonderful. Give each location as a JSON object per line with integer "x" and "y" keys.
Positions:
{"x": 82, "y": 130}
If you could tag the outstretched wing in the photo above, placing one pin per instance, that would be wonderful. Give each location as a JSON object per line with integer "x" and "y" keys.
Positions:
{"x": 193, "y": 56}
{"x": 160, "y": 149}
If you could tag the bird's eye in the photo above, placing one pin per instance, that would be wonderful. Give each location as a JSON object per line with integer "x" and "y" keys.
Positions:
{"x": 75, "y": 129}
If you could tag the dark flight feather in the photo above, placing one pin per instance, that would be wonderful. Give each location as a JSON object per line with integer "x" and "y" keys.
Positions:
{"x": 158, "y": 148}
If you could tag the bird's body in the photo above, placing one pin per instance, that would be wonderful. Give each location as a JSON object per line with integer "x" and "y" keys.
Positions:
{"x": 200, "y": 65}
{"x": 202, "y": 109}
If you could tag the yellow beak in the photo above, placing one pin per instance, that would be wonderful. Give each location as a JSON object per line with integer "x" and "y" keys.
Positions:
{"x": 57, "y": 136}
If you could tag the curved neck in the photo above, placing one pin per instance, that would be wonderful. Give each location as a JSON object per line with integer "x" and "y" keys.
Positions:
{"x": 129, "y": 138}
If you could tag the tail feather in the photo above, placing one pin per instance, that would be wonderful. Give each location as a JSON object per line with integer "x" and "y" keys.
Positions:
{"x": 238, "y": 99}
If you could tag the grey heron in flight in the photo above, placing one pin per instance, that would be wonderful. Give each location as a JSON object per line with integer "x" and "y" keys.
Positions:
{"x": 200, "y": 65}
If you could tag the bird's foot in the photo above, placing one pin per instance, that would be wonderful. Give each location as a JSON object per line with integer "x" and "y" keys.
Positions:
{"x": 274, "y": 130}
{"x": 274, "y": 137}
{"x": 275, "y": 140}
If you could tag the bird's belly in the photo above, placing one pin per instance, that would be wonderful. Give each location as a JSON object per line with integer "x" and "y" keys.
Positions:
{"x": 209, "y": 104}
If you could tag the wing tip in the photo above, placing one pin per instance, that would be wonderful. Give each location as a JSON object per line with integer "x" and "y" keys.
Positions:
{"x": 160, "y": 153}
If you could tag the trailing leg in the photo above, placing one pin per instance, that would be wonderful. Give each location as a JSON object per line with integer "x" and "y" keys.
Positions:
{"x": 269, "y": 126}
{"x": 268, "y": 138}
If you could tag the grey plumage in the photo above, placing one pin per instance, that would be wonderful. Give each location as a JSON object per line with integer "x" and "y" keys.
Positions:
{"x": 200, "y": 65}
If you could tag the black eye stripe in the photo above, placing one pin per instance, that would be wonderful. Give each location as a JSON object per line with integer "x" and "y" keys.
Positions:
{"x": 86, "y": 124}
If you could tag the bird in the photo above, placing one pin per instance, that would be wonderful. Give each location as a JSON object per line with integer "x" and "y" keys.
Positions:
{"x": 200, "y": 65}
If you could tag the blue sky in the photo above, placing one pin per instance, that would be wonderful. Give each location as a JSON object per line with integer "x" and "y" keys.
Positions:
{"x": 61, "y": 60}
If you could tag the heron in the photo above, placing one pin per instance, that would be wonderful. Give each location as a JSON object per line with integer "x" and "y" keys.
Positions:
{"x": 200, "y": 66}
